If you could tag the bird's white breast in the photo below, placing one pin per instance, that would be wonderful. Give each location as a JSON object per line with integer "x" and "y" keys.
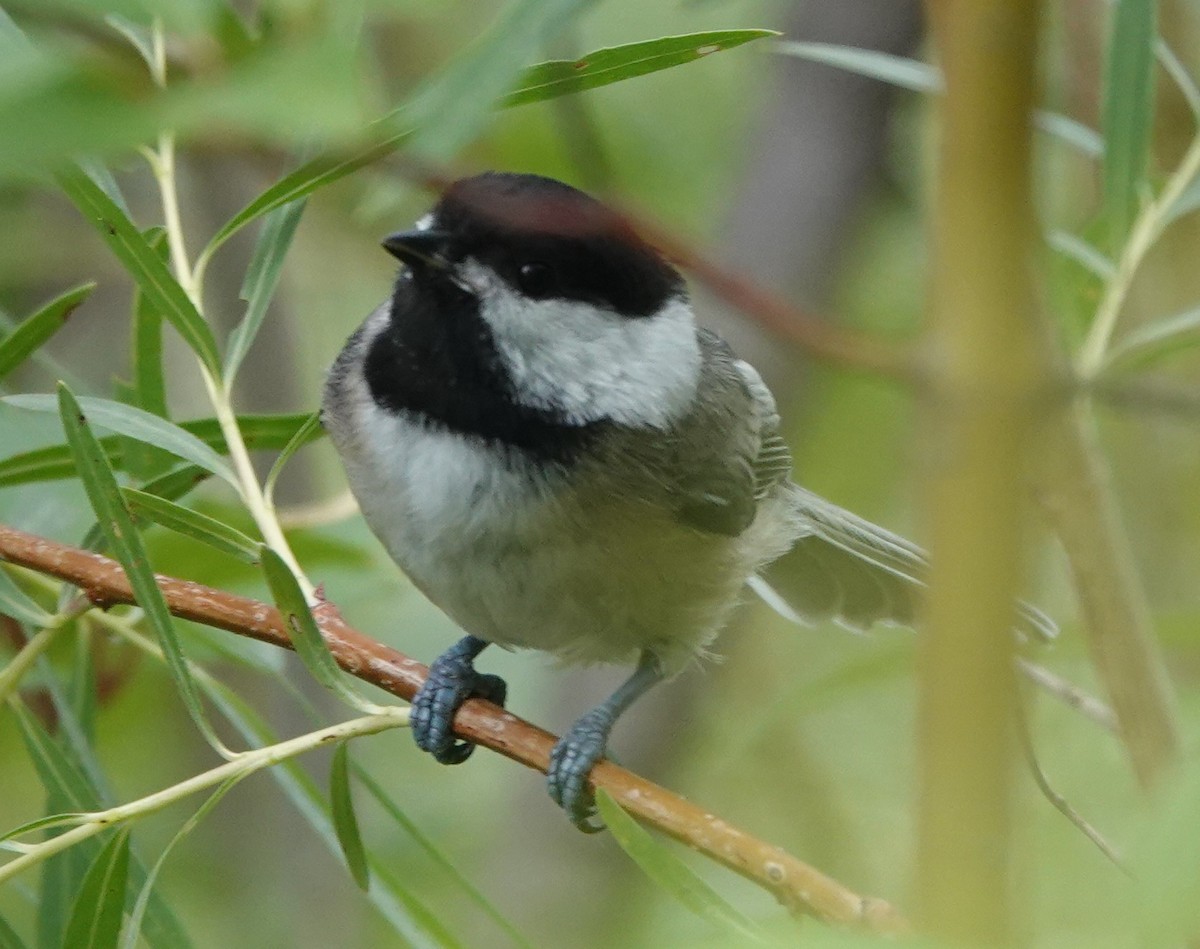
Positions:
{"x": 529, "y": 554}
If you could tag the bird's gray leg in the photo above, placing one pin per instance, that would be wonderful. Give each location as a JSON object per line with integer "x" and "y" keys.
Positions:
{"x": 452, "y": 680}
{"x": 584, "y": 744}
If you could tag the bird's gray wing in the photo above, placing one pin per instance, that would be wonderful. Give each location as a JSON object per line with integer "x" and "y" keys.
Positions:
{"x": 841, "y": 566}
{"x": 848, "y": 569}
{"x": 734, "y": 453}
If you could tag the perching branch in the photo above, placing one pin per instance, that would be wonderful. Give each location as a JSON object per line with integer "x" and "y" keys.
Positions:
{"x": 798, "y": 886}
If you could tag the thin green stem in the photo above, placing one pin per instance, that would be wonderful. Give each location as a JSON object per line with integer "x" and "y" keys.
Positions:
{"x": 1148, "y": 227}
{"x": 259, "y": 506}
{"x": 12, "y": 674}
{"x": 257, "y": 502}
{"x": 245, "y": 764}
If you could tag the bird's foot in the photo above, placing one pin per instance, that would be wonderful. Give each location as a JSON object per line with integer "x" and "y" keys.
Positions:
{"x": 452, "y": 680}
{"x": 570, "y": 763}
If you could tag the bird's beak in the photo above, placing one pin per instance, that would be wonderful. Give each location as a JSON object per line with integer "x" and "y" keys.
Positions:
{"x": 419, "y": 248}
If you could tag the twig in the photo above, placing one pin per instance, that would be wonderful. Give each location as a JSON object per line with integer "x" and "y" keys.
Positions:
{"x": 1057, "y": 801}
{"x": 90, "y": 824}
{"x": 1070, "y": 694}
{"x": 798, "y": 886}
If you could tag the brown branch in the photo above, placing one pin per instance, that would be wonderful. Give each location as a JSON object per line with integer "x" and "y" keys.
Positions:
{"x": 798, "y": 886}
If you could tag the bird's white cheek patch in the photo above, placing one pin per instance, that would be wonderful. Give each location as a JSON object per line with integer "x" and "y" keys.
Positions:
{"x": 590, "y": 363}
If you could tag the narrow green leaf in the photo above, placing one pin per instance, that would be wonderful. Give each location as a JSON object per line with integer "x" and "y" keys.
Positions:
{"x": 137, "y": 914}
{"x": 69, "y": 788}
{"x": 102, "y": 490}
{"x": 172, "y": 486}
{"x": 95, "y": 921}
{"x": 1156, "y": 340}
{"x": 1087, "y": 141}
{"x": 32, "y": 332}
{"x": 325, "y": 169}
{"x": 82, "y": 684}
{"x": 304, "y": 434}
{"x": 44, "y": 823}
{"x": 415, "y": 923}
{"x": 99, "y": 173}
{"x": 345, "y": 822}
{"x": 163, "y": 928}
{"x": 306, "y": 636}
{"x": 262, "y": 276}
{"x": 459, "y": 85}
{"x": 148, "y": 382}
{"x": 916, "y": 76}
{"x": 605, "y": 66}
{"x": 671, "y": 873}
{"x": 201, "y": 527}
{"x": 144, "y": 265}
{"x": 74, "y": 781}
{"x": 1128, "y": 111}
{"x": 1083, "y": 253}
{"x": 260, "y": 432}
{"x": 901, "y": 71}
{"x": 1187, "y": 202}
{"x": 61, "y": 877}
{"x": 10, "y": 34}
{"x": 62, "y": 778}
{"x": 135, "y": 423}
{"x": 1180, "y": 75}
{"x": 141, "y": 459}
{"x": 139, "y": 37}
{"x": 15, "y": 603}
{"x": 410, "y": 827}
{"x": 9, "y": 939}
{"x": 450, "y": 109}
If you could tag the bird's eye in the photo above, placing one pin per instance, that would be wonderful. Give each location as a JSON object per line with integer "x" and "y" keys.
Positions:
{"x": 535, "y": 280}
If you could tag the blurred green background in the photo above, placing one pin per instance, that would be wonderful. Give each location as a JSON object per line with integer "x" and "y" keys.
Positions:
{"x": 808, "y": 178}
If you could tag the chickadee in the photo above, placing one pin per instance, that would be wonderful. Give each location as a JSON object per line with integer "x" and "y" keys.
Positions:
{"x": 560, "y": 459}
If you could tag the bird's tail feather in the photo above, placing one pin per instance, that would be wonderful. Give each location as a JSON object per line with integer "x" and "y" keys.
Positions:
{"x": 849, "y": 570}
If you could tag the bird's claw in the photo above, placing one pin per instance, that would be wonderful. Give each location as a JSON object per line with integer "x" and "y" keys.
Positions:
{"x": 571, "y": 762}
{"x": 452, "y": 680}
